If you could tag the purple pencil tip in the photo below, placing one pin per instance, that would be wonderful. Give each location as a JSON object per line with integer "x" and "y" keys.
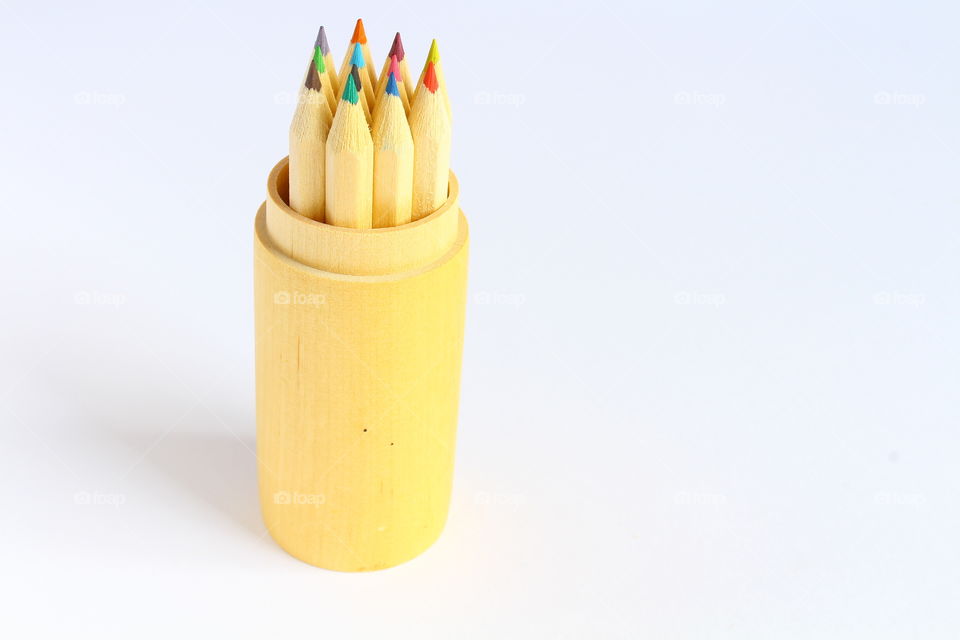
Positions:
{"x": 322, "y": 42}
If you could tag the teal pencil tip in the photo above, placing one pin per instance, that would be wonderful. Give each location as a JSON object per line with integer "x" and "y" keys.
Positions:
{"x": 350, "y": 91}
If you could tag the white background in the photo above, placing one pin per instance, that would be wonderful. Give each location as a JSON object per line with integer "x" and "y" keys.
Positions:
{"x": 710, "y": 375}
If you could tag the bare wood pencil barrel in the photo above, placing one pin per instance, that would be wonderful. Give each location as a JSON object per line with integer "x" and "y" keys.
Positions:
{"x": 359, "y": 340}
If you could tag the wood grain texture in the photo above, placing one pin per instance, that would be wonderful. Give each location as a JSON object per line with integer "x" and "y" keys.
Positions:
{"x": 330, "y": 76}
{"x": 357, "y": 392}
{"x": 371, "y": 70}
{"x": 308, "y": 138}
{"x": 408, "y": 82}
{"x": 349, "y": 168}
{"x": 392, "y": 163}
{"x": 430, "y": 128}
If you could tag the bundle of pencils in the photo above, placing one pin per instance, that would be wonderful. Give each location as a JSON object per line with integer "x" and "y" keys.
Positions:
{"x": 369, "y": 151}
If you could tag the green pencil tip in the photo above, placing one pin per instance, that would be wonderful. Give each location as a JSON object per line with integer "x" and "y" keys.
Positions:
{"x": 318, "y": 60}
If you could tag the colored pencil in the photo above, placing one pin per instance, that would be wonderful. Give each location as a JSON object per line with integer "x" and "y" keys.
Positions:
{"x": 322, "y": 47}
{"x": 355, "y": 64}
{"x": 318, "y": 65}
{"x": 434, "y": 56}
{"x": 396, "y": 51}
{"x": 393, "y": 71}
{"x": 308, "y": 136}
{"x": 349, "y": 163}
{"x": 430, "y": 128}
{"x": 369, "y": 74}
{"x": 392, "y": 159}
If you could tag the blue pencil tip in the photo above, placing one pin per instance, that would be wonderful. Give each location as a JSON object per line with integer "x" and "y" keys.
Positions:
{"x": 357, "y": 57}
{"x": 392, "y": 86}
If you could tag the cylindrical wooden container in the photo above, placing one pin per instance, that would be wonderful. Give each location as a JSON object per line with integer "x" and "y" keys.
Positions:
{"x": 359, "y": 340}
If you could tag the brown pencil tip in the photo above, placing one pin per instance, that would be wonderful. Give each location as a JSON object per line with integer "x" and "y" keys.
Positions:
{"x": 355, "y": 74}
{"x": 313, "y": 77}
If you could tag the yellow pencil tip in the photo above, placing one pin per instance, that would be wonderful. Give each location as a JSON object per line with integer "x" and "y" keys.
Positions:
{"x": 434, "y": 55}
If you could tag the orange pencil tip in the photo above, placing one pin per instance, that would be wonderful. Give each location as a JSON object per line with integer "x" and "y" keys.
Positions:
{"x": 430, "y": 78}
{"x": 359, "y": 35}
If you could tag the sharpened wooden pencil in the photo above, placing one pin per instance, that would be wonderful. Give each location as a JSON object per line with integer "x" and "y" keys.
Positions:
{"x": 365, "y": 62}
{"x": 430, "y": 128}
{"x": 360, "y": 35}
{"x": 308, "y": 136}
{"x": 434, "y": 56}
{"x": 355, "y": 65}
{"x": 349, "y": 164}
{"x": 330, "y": 76}
{"x": 321, "y": 65}
{"x": 398, "y": 57}
{"x": 392, "y": 159}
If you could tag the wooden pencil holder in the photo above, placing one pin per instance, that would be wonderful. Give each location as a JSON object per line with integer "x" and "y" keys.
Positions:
{"x": 359, "y": 340}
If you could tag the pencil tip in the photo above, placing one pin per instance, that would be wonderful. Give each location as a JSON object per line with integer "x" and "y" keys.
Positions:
{"x": 350, "y": 90}
{"x": 392, "y": 86}
{"x": 357, "y": 57}
{"x": 397, "y": 48}
{"x": 313, "y": 77}
{"x": 321, "y": 42}
{"x": 430, "y": 78}
{"x": 318, "y": 60}
{"x": 359, "y": 35}
{"x": 434, "y": 55}
{"x": 355, "y": 74}
{"x": 395, "y": 68}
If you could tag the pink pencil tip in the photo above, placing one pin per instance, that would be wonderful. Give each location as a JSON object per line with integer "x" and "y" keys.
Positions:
{"x": 395, "y": 67}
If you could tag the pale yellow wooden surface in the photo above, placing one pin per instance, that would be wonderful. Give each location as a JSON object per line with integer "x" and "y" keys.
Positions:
{"x": 407, "y": 80}
{"x": 357, "y": 387}
{"x": 430, "y": 129}
{"x": 361, "y": 252}
{"x": 330, "y": 77}
{"x": 349, "y": 169}
{"x": 392, "y": 163}
{"x": 308, "y": 138}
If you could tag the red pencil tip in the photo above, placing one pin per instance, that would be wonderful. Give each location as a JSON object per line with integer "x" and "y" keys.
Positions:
{"x": 359, "y": 35}
{"x": 397, "y": 48}
{"x": 430, "y": 78}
